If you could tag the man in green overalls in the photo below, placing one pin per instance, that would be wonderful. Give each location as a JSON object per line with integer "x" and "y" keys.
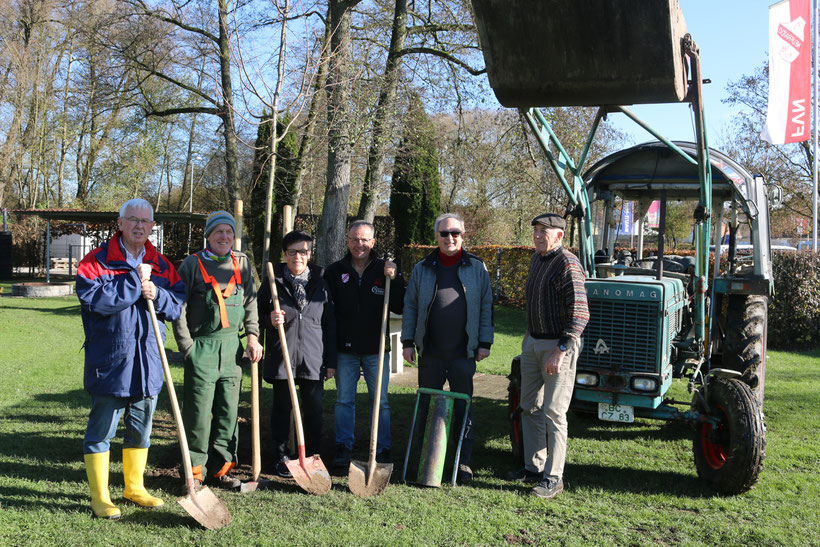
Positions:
{"x": 221, "y": 299}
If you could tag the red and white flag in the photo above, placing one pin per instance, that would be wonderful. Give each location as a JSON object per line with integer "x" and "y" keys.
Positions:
{"x": 787, "y": 119}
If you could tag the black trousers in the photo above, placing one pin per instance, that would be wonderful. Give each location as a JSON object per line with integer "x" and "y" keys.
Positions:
{"x": 311, "y": 392}
{"x": 458, "y": 373}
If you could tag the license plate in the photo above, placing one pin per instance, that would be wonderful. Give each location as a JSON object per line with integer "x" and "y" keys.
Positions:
{"x": 616, "y": 413}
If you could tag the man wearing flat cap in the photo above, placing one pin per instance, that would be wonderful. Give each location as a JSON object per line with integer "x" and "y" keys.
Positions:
{"x": 557, "y": 314}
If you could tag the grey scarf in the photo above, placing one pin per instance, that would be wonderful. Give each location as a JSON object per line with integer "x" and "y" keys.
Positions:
{"x": 298, "y": 282}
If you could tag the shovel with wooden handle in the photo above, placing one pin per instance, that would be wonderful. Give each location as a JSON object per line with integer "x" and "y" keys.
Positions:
{"x": 371, "y": 478}
{"x": 201, "y": 504}
{"x": 308, "y": 472}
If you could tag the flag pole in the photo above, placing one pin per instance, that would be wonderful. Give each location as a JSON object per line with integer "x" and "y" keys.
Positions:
{"x": 814, "y": 111}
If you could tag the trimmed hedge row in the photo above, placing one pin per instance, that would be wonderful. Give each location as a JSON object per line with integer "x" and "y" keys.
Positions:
{"x": 794, "y": 311}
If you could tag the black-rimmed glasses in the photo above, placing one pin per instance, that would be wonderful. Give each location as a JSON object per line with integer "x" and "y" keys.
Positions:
{"x": 294, "y": 252}
{"x": 454, "y": 233}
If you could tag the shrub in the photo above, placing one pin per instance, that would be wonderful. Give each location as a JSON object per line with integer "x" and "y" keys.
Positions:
{"x": 794, "y": 310}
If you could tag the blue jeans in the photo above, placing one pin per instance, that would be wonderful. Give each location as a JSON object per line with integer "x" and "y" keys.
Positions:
{"x": 348, "y": 368}
{"x": 137, "y": 414}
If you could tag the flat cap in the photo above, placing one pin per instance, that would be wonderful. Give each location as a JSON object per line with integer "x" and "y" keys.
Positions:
{"x": 550, "y": 220}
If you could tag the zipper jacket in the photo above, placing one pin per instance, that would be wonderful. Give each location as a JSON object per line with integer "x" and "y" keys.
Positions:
{"x": 310, "y": 333}
{"x": 421, "y": 292}
{"x": 121, "y": 354}
{"x": 359, "y": 302}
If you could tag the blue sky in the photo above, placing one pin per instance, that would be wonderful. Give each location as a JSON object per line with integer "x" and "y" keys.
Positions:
{"x": 732, "y": 36}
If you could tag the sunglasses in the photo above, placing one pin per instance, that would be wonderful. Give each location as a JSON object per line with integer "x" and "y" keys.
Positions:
{"x": 454, "y": 233}
{"x": 294, "y": 252}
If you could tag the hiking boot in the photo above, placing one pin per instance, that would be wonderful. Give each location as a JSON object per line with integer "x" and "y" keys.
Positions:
{"x": 384, "y": 456}
{"x": 523, "y": 475}
{"x": 225, "y": 482}
{"x": 342, "y": 458}
{"x": 549, "y": 488}
{"x": 465, "y": 474}
{"x": 281, "y": 468}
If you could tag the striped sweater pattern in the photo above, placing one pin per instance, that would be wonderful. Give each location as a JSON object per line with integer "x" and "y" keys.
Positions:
{"x": 556, "y": 297}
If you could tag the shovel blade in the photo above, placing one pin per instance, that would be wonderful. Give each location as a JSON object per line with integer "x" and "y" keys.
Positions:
{"x": 253, "y": 486}
{"x": 357, "y": 479}
{"x": 312, "y": 477}
{"x": 206, "y": 508}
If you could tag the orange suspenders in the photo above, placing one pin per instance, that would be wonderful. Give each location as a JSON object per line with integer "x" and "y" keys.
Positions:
{"x": 236, "y": 278}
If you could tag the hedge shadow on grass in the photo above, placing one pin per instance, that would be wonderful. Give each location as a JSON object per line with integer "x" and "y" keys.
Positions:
{"x": 67, "y": 311}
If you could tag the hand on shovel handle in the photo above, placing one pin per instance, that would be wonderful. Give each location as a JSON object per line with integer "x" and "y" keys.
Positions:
{"x": 309, "y": 473}
{"x": 203, "y": 505}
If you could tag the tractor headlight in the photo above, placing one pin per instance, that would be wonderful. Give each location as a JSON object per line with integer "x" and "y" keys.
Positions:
{"x": 644, "y": 384}
{"x": 586, "y": 379}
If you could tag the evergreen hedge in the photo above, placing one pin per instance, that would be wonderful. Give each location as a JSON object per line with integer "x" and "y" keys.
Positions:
{"x": 794, "y": 310}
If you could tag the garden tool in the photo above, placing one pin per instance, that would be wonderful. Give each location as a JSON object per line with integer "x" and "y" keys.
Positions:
{"x": 369, "y": 478}
{"x": 308, "y": 472}
{"x": 201, "y": 504}
{"x": 256, "y": 457}
{"x": 436, "y": 434}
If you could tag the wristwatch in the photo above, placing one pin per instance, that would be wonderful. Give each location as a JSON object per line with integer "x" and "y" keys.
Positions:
{"x": 563, "y": 347}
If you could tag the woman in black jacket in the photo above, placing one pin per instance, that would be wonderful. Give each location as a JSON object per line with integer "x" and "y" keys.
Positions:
{"x": 310, "y": 328}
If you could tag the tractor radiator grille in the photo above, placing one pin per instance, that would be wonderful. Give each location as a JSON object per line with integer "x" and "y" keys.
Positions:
{"x": 628, "y": 329}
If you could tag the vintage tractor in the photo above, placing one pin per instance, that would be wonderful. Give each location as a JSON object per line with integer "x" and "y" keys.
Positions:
{"x": 652, "y": 318}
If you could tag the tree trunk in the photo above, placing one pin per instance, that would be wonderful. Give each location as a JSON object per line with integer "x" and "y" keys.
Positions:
{"x": 381, "y": 120}
{"x": 231, "y": 179}
{"x": 330, "y": 240}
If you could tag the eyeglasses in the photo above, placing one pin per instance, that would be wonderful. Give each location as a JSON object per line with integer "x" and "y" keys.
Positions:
{"x": 360, "y": 240}
{"x": 454, "y": 233}
{"x": 137, "y": 220}
{"x": 300, "y": 252}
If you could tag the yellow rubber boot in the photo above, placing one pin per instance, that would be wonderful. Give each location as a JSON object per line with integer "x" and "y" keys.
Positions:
{"x": 96, "y": 467}
{"x": 133, "y": 468}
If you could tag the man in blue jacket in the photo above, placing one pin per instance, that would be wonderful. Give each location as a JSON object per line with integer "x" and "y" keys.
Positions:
{"x": 123, "y": 369}
{"x": 448, "y": 317}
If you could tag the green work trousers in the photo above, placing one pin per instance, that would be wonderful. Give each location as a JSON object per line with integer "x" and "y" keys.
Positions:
{"x": 213, "y": 381}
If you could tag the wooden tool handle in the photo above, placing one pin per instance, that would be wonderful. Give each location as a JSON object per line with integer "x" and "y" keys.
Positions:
{"x": 300, "y": 436}
{"x": 256, "y": 457}
{"x": 374, "y": 426}
{"x": 172, "y": 394}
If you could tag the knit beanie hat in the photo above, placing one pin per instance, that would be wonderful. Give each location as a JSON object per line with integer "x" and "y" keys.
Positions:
{"x": 216, "y": 218}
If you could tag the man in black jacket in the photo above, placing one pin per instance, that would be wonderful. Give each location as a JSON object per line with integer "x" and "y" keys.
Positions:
{"x": 357, "y": 284}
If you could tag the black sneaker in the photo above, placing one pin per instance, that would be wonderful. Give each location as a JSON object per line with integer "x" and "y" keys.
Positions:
{"x": 281, "y": 468}
{"x": 523, "y": 475}
{"x": 549, "y": 488}
{"x": 225, "y": 482}
{"x": 465, "y": 474}
{"x": 342, "y": 458}
{"x": 384, "y": 456}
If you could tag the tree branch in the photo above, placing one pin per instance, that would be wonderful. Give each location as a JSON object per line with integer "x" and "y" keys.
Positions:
{"x": 444, "y": 55}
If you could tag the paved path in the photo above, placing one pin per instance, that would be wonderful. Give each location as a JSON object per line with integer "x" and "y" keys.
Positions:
{"x": 490, "y": 386}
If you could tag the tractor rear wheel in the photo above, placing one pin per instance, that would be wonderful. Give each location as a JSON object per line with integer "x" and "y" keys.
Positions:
{"x": 729, "y": 455}
{"x": 745, "y": 343}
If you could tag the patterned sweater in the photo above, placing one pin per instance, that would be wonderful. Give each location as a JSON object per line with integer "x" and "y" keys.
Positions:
{"x": 556, "y": 297}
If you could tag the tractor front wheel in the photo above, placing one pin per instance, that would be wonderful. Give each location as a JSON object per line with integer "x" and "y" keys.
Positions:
{"x": 729, "y": 455}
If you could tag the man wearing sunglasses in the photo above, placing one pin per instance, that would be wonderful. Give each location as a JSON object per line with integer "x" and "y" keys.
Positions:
{"x": 448, "y": 319}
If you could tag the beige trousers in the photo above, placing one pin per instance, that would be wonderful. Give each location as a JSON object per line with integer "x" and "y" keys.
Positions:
{"x": 545, "y": 400}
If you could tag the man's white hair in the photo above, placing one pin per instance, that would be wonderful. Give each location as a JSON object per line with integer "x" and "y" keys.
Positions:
{"x": 136, "y": 203}
{"x": 444, "y": 216}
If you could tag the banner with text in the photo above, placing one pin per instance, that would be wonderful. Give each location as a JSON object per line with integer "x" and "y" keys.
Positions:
{"x": 787, "y": 119}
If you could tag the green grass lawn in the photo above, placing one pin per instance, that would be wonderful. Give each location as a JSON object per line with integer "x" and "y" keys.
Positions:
{"x": 626, "y": 484}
